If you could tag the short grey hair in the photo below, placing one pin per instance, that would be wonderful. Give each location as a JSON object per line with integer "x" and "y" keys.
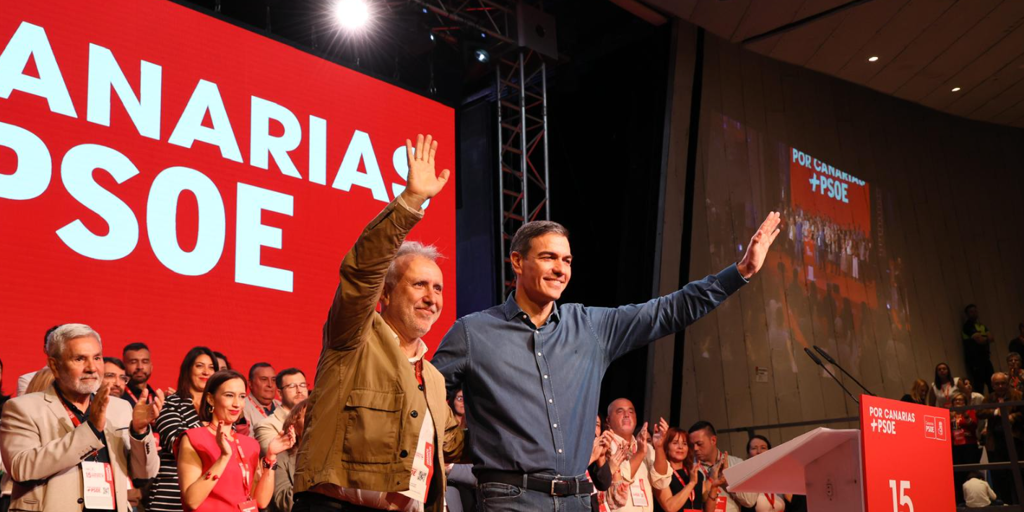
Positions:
{"x": 409, "y": 248}
{"x": 58, "y": 340}
{"x": 533, "y": 229}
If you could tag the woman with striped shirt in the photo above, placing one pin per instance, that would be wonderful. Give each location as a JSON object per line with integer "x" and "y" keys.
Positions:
{"x": 179, "y": 414}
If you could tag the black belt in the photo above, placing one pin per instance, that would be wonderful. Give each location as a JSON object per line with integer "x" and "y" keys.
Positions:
{"x": 551, "y": 485}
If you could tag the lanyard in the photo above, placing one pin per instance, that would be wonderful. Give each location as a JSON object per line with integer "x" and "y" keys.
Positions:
{"x": 246, "y": 475}
{"x": 76, "y": 422}
{"x": 259, "y": 407}
{"x": 692, "y": 494}
{"x": 771, "y": 499}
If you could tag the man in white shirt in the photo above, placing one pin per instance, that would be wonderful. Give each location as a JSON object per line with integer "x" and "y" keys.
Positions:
{"x": 704, "y": 440}
{"x": 262, "y": 400}
{"x": 977, "y": 492}
{"x": 637, "y": 471}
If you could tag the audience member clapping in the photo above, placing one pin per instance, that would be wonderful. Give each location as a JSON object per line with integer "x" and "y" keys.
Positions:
{"x": 688, "y": 487}
{"x": 704, "y": 441}
{"x": 291, "y": 383}
{"x": 220, "y": 470}
{"x": 284, "y": 478}
{"x": 43, "y": 457}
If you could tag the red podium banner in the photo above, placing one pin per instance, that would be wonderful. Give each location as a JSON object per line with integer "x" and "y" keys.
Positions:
{"x": 907, "y": 457}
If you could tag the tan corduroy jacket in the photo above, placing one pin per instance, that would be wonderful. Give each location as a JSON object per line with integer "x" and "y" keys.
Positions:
{"x": 366, "y": 408}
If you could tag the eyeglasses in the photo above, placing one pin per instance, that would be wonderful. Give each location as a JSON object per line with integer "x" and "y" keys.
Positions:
{"x": 122, "y": 378}
{"x": 460, "y": 399}
{"x": 297, "y": 385}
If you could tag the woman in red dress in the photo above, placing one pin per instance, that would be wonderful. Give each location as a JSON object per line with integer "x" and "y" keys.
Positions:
{"x": 220, "y": 470}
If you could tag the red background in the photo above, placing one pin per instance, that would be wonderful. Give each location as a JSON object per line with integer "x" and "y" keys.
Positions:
{"x": 43, "y": 282}
{"x": 908, "y": 455}
{"x": 855, "y": 214}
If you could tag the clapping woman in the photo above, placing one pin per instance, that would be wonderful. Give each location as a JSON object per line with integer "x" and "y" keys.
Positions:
{"x": 218, "y": 469}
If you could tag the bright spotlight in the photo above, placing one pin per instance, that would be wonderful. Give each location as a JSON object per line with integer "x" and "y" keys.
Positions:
{"x": 351, "y": 14}
{"x": 956, "y": 89}
{"x": 433, "y": 37}
{"x": 482, "y": 56}
{"x": 872, "y": 59}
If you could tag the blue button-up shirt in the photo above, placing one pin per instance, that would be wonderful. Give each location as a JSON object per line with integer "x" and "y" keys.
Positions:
{"x": 532, "y": 393}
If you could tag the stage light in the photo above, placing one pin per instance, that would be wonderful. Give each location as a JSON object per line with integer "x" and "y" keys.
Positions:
{"x": 955, "y": 89}
{"x": 433, "y": 37}
{"x": 872, "y": 59}
{"x": 351, "y": 14}
{"x": 482, "y": 56}
{"x": 425, "y": 11}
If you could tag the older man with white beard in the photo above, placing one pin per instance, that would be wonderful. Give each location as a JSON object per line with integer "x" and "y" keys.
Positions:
{"x": 70, "y": 447}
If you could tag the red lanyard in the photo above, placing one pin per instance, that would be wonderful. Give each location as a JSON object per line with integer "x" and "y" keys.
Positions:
{"x": 692, "y": 494}
{"x": 259, "y": 407}
{"x": 246, "y": 476}
{"x": 771, "y": 499}
{"x": 74, "y": 419}
{"x": 418, "y": 368}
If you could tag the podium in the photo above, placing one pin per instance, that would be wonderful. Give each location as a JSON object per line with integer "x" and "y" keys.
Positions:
{"x": 900, "y": 460}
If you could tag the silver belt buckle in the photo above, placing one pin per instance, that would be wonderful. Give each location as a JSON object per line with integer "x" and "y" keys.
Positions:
{"x": 553, "y": 481}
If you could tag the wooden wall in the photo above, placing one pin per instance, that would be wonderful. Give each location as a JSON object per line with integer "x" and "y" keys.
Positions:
{"x": 947, "y": 222}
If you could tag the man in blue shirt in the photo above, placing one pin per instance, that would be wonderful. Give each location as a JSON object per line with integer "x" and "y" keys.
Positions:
{"x": 531, "y": 369}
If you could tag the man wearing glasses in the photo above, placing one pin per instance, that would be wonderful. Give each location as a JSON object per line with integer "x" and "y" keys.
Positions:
{"x": 114, "y": 376}
{"x": 291, "y": 383}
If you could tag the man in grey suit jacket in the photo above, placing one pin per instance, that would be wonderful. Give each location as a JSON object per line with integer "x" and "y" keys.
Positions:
{"x": 48, "y": 439}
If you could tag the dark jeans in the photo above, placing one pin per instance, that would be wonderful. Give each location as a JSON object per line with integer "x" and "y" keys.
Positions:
{"x": 316, "y": 502}
{"x": 498, "y": 497}
{"x": 980, "y": 373}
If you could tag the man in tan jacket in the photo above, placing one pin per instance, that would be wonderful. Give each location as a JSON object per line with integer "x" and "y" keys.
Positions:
{"x": 378, "y": 430}
{"x": 68, "y": 449}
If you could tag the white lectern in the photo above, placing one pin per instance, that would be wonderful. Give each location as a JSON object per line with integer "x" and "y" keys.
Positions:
{"x": 824, "y": 464}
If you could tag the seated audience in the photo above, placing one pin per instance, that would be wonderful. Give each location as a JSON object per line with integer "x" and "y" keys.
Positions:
{"x": 918, "y": 393}
{"x": 291, "y": 383}
{"x": 44, "y": 458}
{"x": 977, "y": 492}
{"x": 25, "y": 379}
{"x": 220, "y": 470}
{"x": 180, "y": 413}
{"x": 996, "y": 442}
{"x": 964, "y": 427}
{"x": 704, "y": 441}
{"x": 942, "y": 387}
{"x": 114, "y": 376}
{"x": 688, "y": 487}
{"x": 284, "y": 478}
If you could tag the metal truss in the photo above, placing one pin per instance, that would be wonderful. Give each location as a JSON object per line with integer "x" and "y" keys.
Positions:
{"x": 521, "y": 99}
{"x": 495, "y": 18}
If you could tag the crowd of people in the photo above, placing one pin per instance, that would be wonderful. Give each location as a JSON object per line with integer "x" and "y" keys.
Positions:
{"x": 383, "y": 428}
{"x": 980, "y": 433}
{"x": 833, "y": 247}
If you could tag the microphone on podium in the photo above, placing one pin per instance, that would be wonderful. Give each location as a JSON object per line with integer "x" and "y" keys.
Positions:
{"x": 822, "y": 365}
{"x": 833, "y": 361}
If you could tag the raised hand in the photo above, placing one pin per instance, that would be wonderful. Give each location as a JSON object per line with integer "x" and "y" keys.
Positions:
{"x": 144, "y": 412}
{"x": 600, "y": 447}
{"x": 757, "y": 250}
{"x": 222, "y": 440}
{"x": 660, "y": 429}
{"x": 423, "y": 183}
{"x": 616, "y": 459}
{"x": 98, "y": 407}
{"x": 283, "y": 441}
{"x": 642, "y": 438}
